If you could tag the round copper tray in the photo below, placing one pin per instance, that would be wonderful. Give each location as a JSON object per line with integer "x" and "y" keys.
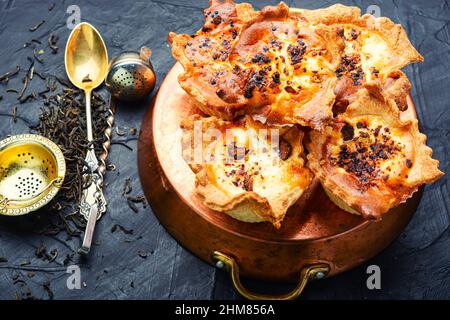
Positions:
{"x": 316, "y": 238}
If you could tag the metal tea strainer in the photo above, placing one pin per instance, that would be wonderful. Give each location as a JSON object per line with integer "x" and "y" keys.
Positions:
{"x": 32, "y": 170}
{"x": 130, "y": 75}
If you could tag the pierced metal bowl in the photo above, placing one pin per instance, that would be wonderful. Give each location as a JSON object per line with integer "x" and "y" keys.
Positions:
{"x": 32, "y": 170}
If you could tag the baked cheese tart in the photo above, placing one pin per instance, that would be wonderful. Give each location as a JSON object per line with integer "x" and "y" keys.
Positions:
{"x": 375, "y": 49}
{"x": 370, "y": 161}
{"x": 268, "y": 63}
{"x": 283, "y": 70}
{"x": 251, "y": 172}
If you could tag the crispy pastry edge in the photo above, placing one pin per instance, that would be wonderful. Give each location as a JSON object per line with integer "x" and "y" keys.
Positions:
{"x": 425, "y": 170}
{"x": 395, "y": 34}
{"x": 260, "y": 207}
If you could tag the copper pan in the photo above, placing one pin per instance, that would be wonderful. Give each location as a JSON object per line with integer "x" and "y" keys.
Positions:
{"x": 316, "y": 240}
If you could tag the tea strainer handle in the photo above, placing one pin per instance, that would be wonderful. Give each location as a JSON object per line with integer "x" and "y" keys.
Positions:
{"x": 5, "y": 201}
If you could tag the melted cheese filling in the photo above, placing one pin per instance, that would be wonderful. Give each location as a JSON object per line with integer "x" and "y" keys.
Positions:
{"x": 297, "y": 83}
{"x": 370, "y": 47}
{"x": 260, "y": 170}
{"x": 397, "y": 148}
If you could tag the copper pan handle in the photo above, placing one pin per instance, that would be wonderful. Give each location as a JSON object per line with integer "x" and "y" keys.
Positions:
{"x": 226, "y": 262}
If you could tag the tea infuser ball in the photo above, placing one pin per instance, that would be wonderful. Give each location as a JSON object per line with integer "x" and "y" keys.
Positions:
{"x": 131, "y": 76}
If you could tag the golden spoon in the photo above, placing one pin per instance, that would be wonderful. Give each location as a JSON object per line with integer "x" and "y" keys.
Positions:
{"x": 86, "y": 61}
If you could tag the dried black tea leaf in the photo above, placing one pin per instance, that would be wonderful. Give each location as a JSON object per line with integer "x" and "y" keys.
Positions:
{"x": 25, "y": 262}
{"x": 121, "y": 228}
{"x": 127, "y": 188}
{"x": 86, "y": 79}
{"x": 14, "y": 113}
{"x": 52, "y": 42}
{"x": 5, "y": 77}
{"x": 132, "y": 206}
{"x": 63, "y": 121}
{"x": 37, "y": 26}
{"x": 122, "y": 143}
{"x": 143, "y": 254}
{"x": 49, "y": 290}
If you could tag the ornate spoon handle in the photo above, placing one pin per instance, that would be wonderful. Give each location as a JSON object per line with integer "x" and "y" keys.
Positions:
{"x": 89, "y": 234}
{"x": 93, "y": 202}
{"x": 108, "y": 134}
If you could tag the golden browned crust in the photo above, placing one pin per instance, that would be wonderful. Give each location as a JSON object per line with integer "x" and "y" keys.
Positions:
{"x": 257, "y": 189}
{"x": 245, "y": 60}
{"x": 397, "y": 38}
{"x": 370, "y": 160}
{"x": 340, "y": 15}
{"x": 358, "y": 69}
{"x": 394, "y": 86}
{"x": 318, "y": 110}
{"x": 330, "y": 69}
{"x": 213, "y": 42}
{"x": 335, "y": 14}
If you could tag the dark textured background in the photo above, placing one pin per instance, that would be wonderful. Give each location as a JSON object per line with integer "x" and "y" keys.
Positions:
{"x": 416, "y": 266}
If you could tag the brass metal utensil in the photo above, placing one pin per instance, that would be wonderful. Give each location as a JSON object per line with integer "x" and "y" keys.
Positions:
{"x": 32, "y": 170}
{"x": 86, "y": 62}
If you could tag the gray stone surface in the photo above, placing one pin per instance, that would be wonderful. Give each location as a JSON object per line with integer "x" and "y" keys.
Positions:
{"x": 416, "y": 266}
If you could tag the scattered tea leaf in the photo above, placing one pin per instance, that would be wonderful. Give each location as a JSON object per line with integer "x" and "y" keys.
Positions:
{"x": 52, "y": 42}
{"x": 143, "y": 254}
{"x": 37, "y": 26}
{"x": 121, "y": 228}
{"x": 62, "y": 120}
{"x": 49, "y": 290}
{"x": 18, "y": 280}
{"x": 40, "y": 251}
{"x": 25, "y": 263}
{"x": 127, "y": 188}
{"x": 86, "y": 79}
{"x": 132, "y": 206}
{"x": 67, "y": 259}
{"x": 52, "y": 255}
{"x": 132, "y": 200}
{"x": 120, "y": 133}
{"x": 5, "y": 77}
{"x": 122, "y": 144}
{"x": 14, "y": 113}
